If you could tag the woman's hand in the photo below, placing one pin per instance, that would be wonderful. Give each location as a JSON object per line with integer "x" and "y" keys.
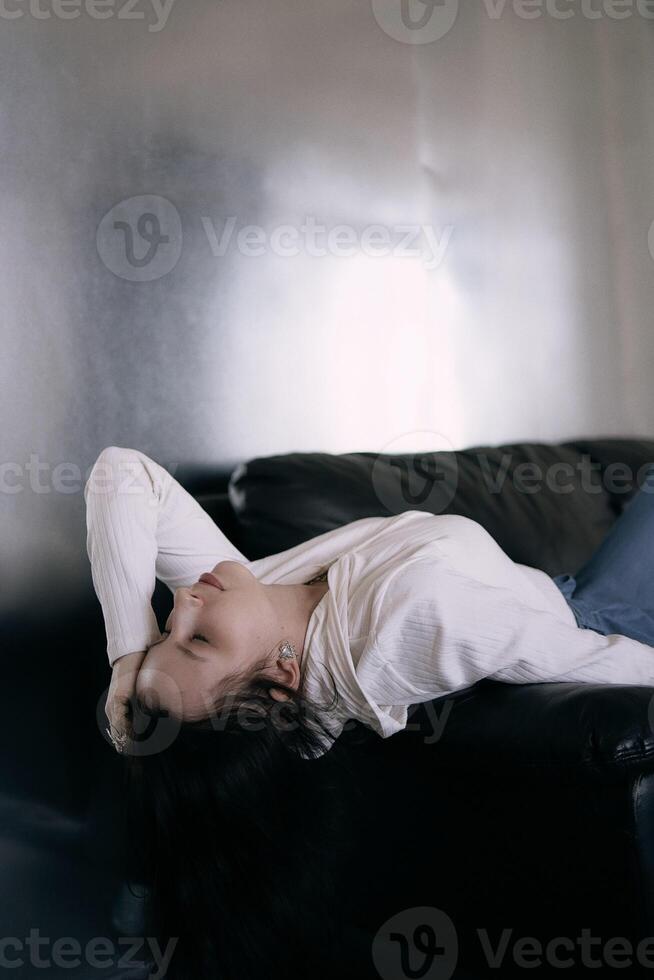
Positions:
{"x": 121, "y": 691}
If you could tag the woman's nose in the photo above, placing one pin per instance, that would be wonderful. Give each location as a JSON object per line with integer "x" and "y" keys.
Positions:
{"x": 185, "y": 597}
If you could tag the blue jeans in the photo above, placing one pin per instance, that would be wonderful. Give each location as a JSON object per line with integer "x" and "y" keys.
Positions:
{"x": 614, "y": 591}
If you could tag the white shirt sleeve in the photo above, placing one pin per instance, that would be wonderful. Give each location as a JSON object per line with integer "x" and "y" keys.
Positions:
{"x": 143, "y": 525}
{"x": 441, "y": 639}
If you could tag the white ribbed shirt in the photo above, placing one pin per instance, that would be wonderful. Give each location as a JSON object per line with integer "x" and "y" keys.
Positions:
{"x": 419, "y": 605}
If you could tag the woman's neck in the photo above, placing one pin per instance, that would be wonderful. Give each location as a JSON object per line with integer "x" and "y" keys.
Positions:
{"x": 313, "y": 595}
{"x": 295, "y": 605}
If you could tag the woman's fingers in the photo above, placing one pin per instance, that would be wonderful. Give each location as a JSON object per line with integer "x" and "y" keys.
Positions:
{"x": 118, "y": 707}
{"x": 119, "y": 698}
{"x": 117, "y": 712}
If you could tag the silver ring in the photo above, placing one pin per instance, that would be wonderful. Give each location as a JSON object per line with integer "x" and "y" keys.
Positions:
{"x": 118, "y": 739}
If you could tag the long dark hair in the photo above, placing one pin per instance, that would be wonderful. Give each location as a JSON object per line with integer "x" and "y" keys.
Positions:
{"x": 238, "y": 828}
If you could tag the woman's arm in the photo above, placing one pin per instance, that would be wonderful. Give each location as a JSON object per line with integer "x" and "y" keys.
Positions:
{"x": 142, "y": 525}
{"x": 443, "y": 631}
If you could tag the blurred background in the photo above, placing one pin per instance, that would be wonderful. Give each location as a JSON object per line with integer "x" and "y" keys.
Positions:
{"x": 234, "y": 228}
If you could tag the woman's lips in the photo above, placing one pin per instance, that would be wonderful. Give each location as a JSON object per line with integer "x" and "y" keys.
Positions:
{"x": 210, "y": 579}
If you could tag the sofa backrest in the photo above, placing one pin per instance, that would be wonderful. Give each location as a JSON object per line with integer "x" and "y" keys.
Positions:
{"x": 547, "y": 505}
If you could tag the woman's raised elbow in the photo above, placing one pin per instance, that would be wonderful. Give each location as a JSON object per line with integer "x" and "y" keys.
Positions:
{"x": 111, "y": 467}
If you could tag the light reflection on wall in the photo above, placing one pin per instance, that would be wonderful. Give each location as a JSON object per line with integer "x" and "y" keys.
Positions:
{"x": 357, "y": 351}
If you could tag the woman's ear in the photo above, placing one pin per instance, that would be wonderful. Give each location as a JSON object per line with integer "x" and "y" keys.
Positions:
{"x": 287, "y": 671}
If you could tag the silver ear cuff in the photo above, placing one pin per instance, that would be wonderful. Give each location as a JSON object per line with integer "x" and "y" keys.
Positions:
{"x": 286, "y": 651}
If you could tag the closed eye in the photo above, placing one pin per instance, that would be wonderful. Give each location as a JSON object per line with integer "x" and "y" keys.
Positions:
{"x": 196, "y": 636}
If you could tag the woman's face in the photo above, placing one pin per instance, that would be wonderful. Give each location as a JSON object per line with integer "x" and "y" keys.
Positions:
{"x": 218, "y": 626}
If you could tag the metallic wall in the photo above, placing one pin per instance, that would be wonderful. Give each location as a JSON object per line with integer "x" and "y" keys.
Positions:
{"x": 235, "y": 228}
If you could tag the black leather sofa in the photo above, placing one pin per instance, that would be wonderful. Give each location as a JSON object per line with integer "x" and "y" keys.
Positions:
{"x": 528, "y": 816}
